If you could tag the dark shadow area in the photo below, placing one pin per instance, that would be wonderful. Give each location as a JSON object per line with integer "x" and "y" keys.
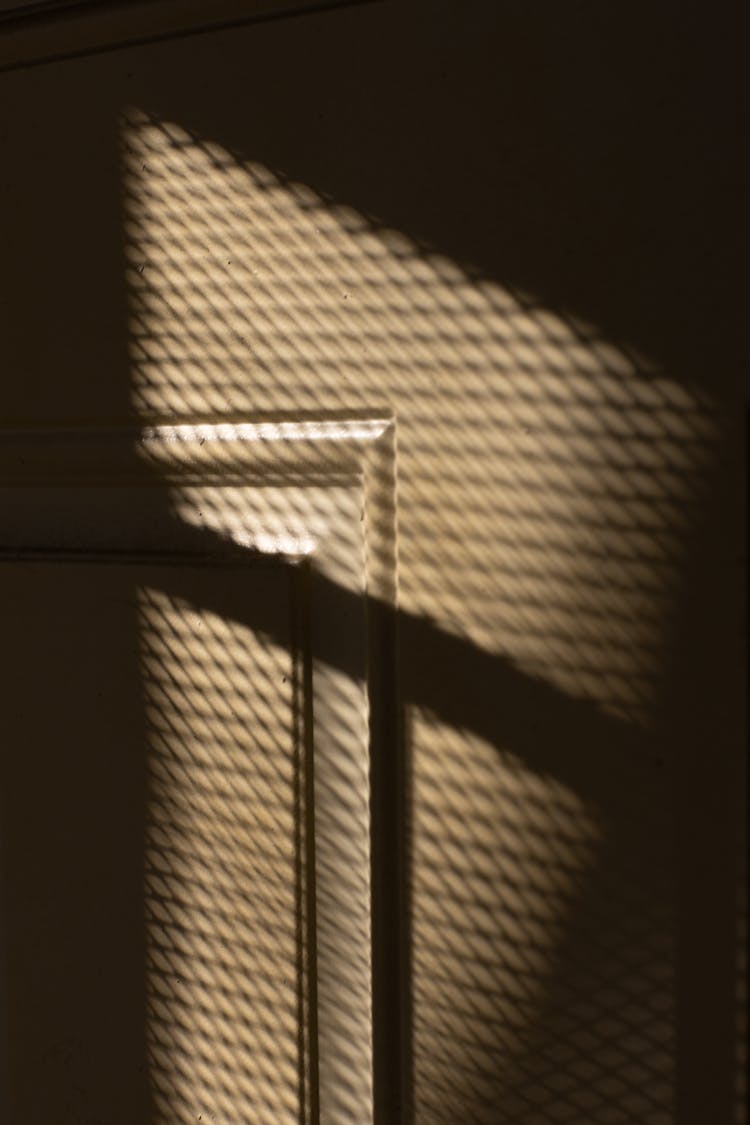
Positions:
{"x": 73, "y": 809}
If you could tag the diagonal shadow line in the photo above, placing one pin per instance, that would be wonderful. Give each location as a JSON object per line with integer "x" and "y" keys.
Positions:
{"x": 463, "y": 686}
{"x": 466, "y": 687}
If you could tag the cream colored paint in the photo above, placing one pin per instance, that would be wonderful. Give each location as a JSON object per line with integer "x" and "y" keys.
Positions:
{"x": 545, "y": 478}
{"x": 543, "y": 472}
{"x": 221, "y": 881}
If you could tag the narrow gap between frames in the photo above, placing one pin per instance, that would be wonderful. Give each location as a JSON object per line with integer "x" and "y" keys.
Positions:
{"x": 301, "y": 634}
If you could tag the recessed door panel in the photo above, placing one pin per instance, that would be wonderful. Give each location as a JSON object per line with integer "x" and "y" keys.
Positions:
{"x": 186, "y": 873}
{"x": 154, "y": 825}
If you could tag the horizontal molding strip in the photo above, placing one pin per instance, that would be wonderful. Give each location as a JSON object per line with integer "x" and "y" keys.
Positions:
{"x": 36, "y": 33}
{"x": 263, "y": 448}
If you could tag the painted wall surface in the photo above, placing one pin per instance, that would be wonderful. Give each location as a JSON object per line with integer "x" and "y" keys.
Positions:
{"x": 518, "y": 233}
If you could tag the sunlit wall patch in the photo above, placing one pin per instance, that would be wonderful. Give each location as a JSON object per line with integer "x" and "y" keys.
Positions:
{"x": 547, "y": 474}
{"x": 222, "y": 895}
{"x": 547, "y": 481}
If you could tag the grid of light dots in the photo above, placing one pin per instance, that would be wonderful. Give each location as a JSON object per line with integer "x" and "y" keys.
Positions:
{"x": 546, "y": 480}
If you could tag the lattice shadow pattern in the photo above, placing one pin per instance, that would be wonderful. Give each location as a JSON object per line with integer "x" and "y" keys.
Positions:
{"x": 547, "y": 479}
